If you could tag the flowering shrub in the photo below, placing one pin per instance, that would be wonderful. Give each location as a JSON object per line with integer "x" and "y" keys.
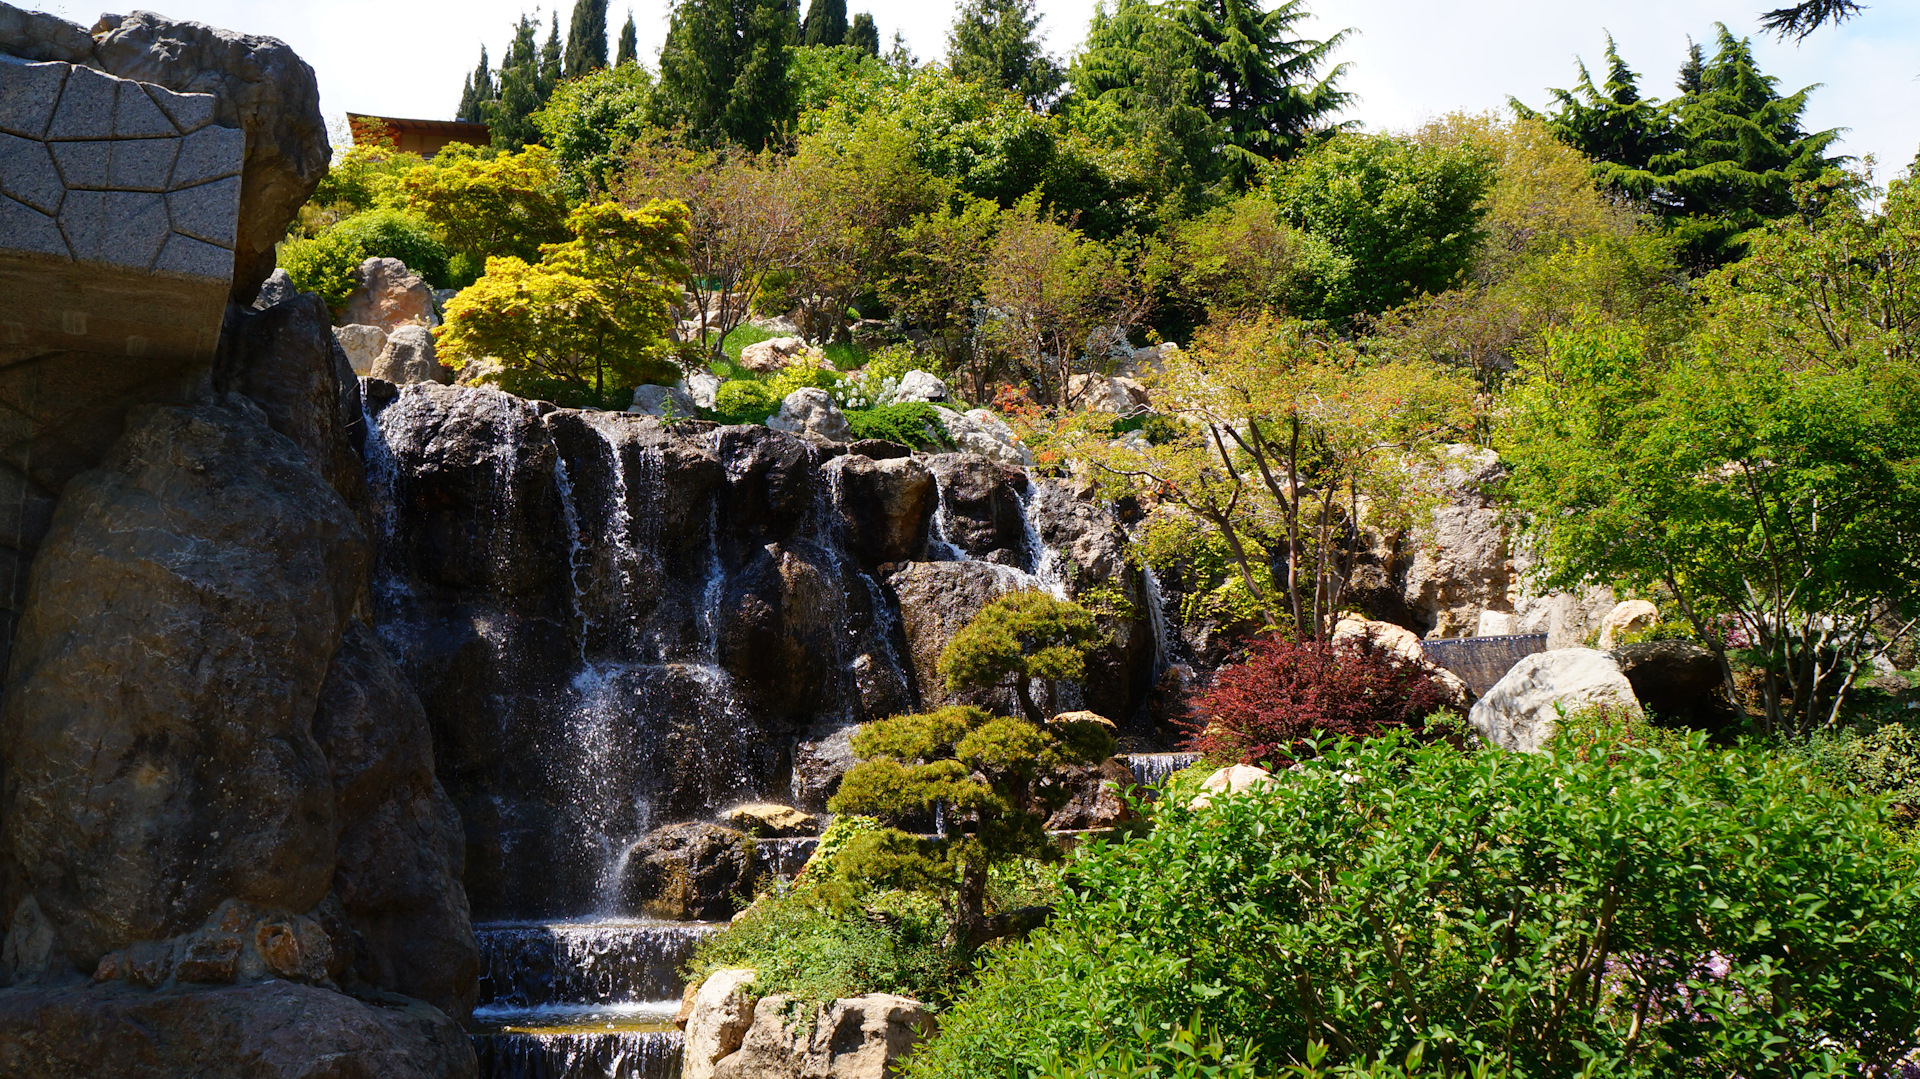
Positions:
{"x": 1265, "y": 707}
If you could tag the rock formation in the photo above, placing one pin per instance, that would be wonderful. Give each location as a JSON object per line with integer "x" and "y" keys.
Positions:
{"x": 1523, "y": 709}
{"x": 730, "y": 1035}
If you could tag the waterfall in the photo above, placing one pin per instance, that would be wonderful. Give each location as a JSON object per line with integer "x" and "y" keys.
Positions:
{"x": 1157, "y": 621}
{"x": 648, "y": 1054}
{"x": 1049, "y": 565}
{"x": 1154, "y": 769}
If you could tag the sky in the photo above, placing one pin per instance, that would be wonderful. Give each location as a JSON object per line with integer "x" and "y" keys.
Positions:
{"x": 1409, "y": 60}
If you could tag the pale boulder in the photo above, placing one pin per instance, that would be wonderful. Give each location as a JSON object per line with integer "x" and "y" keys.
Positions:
{"x": 772, "y": 820}
{"x": 389, "y": 296}
{"x": 662, "y": 402}
{"x": 920, "y": 386}
{"x": 719, "y": 1019}
{"x": 362, "y": 344}
{"x": 1401, "y": 644}
{"x": 1522, "y": 710}
{"x": 1119, "y": 395}
{"x": 1232, "y": 780}
{"x": 769, "y": 356}
{"x": 408, "y": 358}
{"x": 979, "y": 431}
{"x": 1627, "y": 616}
{"x": 851, "y": 1038}
{"x": 703, "y": 388}
{"x": 811, "y": 412}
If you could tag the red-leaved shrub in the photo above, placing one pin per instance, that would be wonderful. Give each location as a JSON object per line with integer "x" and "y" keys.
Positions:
{"x": 1262, "y": 708}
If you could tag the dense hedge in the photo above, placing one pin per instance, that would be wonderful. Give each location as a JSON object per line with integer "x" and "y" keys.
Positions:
{"x": 1636, "y": 913}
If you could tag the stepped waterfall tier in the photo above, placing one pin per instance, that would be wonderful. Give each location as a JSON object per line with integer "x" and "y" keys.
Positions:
{"x": 622, "y": 627}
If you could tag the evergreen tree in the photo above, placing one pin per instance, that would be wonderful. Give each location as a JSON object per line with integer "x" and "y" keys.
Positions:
{"x": 723, "y": 70}
{"x": 826, "y": 23}
{"x": 1804, "y": 18}
{"x": 587, "y": 38}
{"x": 1230, "y": 61}
{"x": 993, "y": 42}
{"x": 629, "y": 43}
{"x": 1714, "y": 162}
{"x": 477, "y": 92}
{"x": 519, "y": 97}
{"x": 862, "y": 34}
{"x": 550, "y": 61}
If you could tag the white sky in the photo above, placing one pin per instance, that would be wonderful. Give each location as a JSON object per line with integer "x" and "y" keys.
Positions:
{"x": 1410, "y": 59}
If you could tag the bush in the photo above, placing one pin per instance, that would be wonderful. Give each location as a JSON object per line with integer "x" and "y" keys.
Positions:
{"x": 812, "y": 943}
{"x": 744, "y": 401}
{"x": 910, "y": 424}
{"x": 1267, "y": 707}
{"x": 1883, "y": 762}
{"x": 1704, "y": 913}
{"x": 326, "y": 263}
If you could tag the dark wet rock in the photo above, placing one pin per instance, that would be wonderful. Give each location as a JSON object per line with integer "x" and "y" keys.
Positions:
{"x": 982, "y": 502}
{"x": 820, "y": 759}
{"x": 267, "y": 1030}
{"x": 157, "y": 725}
{"x": 1677, "y": 682}
{"x": 690, "y": 872}
{"x": 878, "y": 449}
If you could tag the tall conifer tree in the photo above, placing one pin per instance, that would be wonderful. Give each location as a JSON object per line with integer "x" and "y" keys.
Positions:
{"x": 862, "y": 34}
{"x": 520, "y": 94}
{"x": 477, "y": 93}
{"x": 993, "y": 42}
{"x": 551, "y": 59}
{"x": 826, "y": 23}
{"x": 587, "y": 38}
{"x": 723, "y": 70}
{"x": 629, "y": 42}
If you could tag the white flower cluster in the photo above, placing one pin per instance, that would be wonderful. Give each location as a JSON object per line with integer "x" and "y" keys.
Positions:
{"x": 853, "y": 392}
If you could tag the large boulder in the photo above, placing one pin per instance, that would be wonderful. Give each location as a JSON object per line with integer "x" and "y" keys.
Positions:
{"x": 157, "y": 727}
{"x": 266, "y": 1030}
{"x": 1461, "y": 561}
{"x": 1627, "y": 617}
{"x": 256, "y": 84}
{"x": 1117, "y": 395}
{"x": 980, "y": 513}
{"x": 1402, "y": 645}
{"x": 772, "y": 355}
{"x": 850, "y": 1038}
{"x": 1235, "y": 779}
{"x": 920, "y": 386}
{"x": 388, "y": 296}
{"x": 811, "y": 412}
{"x": 936, "y": 601}
{"x": 688, "y": 872}
{"x": 1095, "y": 794}
{"x": 362, "y": 344}
{"x": 979, "y": 431}
{"x": 664, "y": 402}
{"x": 1521, "y": 711}
{"x": 719, "y": 1014}
{"x": 1678, "y": 682}
{"x": 885, "y": 506}
{"x": 407, "y": 357}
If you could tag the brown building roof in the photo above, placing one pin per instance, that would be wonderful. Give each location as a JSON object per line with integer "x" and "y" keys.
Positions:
{"x": 423, "y": 137}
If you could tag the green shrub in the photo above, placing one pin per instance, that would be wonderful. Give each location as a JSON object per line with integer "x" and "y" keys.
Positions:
{"x": 744, "y": 401}
{"x": 1883, "y": 762}
{"x": 814, "y": 943}
{"x": 1637, "y": 913}
{"x": 910, "y": 424}
{"x": 325, "y": 264}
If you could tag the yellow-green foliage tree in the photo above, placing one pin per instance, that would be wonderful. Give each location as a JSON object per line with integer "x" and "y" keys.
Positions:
{"x": 992, "y": 777}
{"x": 487, "y": 204}
{"x": 586, "y": 322}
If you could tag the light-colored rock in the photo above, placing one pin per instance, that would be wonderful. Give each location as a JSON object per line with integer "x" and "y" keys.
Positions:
{"x": 850, "y": 1038}
{"x": 1084, "y": 716}
{"x": 772, "y": 820}
{"x": 979, "y": 431}
{"x": 1403, "y": 645}
{"x": 362, "y": 344}
{"x": 811, "y": 412}
{"x": 1119, "y": 395}
{"x": 408, "y": 357}
{"x": 1522, "y": 710}
{"x": 703, "y": 387}
{"x": 663, "y": 401}
{"x": 719, "y": 1019}
{"x": 1229, "y": 781}
{"x": 1627, "y": 616}
{"x": 920, "y": 386}
{"x": 389, "y": 296}
{"x": 769, "y": 356}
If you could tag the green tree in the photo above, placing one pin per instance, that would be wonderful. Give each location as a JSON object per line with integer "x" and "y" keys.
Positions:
{"x": 862, "y": 34}
{"x": 484, "y": 203}
{"x": 1714, "y": 162}
{"x": 587, "y": 38}
{"x": 510, "y": 113}
{"x": 723, "y": 71}
{"x": 826, "y": 23}
{"x": 551, "y": 59}
{"x": 1261, "y": 92}
{"x": 629, "y": 52}
{"x": 325, "y": 263}
{"x": 994, "y": 42}
{"x": 590, "y": 319}
{"x": 1406, "y": 218}
{"x": 939, "y": 272}
{"x": 477, "y": 93}
{"x": 1804, "y": 18}
{"x": 592, "y": 122}
{"x": 1016, "y": 640}
{"x": 1242, "y": 258}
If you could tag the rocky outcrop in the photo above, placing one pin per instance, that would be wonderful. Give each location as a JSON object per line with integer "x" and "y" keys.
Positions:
{"x": 1402, "y": 645}
{"x": 388, "y": 296}
{"x": 256, "y": 84}
{"x": 1522, "y": 710}
{"x": 1117, "y": 395}
{"x": 981, "y": 512}
{"x": 1095, "y": 795}
{"x": 690, "y": 872}
{"x": 772, "y": 355}
{"x": 199, "y": 582}
{"x": 772, "y": 821}
{"x": 267, "y": 1030}
{"x": 920, "y": 386}
{"x": 664, "y": 402}
{"x": 885, "y": 506}
{"x": 719, "y": 1014}
{"x": 850, "y": 1038}
{"x": 979, "y": 431}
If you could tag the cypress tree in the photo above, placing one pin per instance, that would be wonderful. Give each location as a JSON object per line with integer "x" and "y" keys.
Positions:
{"x": 519, "y": 95}
{"x": 723, "y": 70}
{"x": 862, "y": 34}
{"x": 587, "y": 38}
{"x": 993, "y": 42}
{"x": 826, "y": 23}
{"x": 550, "y": 61}
{"x": 477, "y": 92}
{"x": 629, "y": 43}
